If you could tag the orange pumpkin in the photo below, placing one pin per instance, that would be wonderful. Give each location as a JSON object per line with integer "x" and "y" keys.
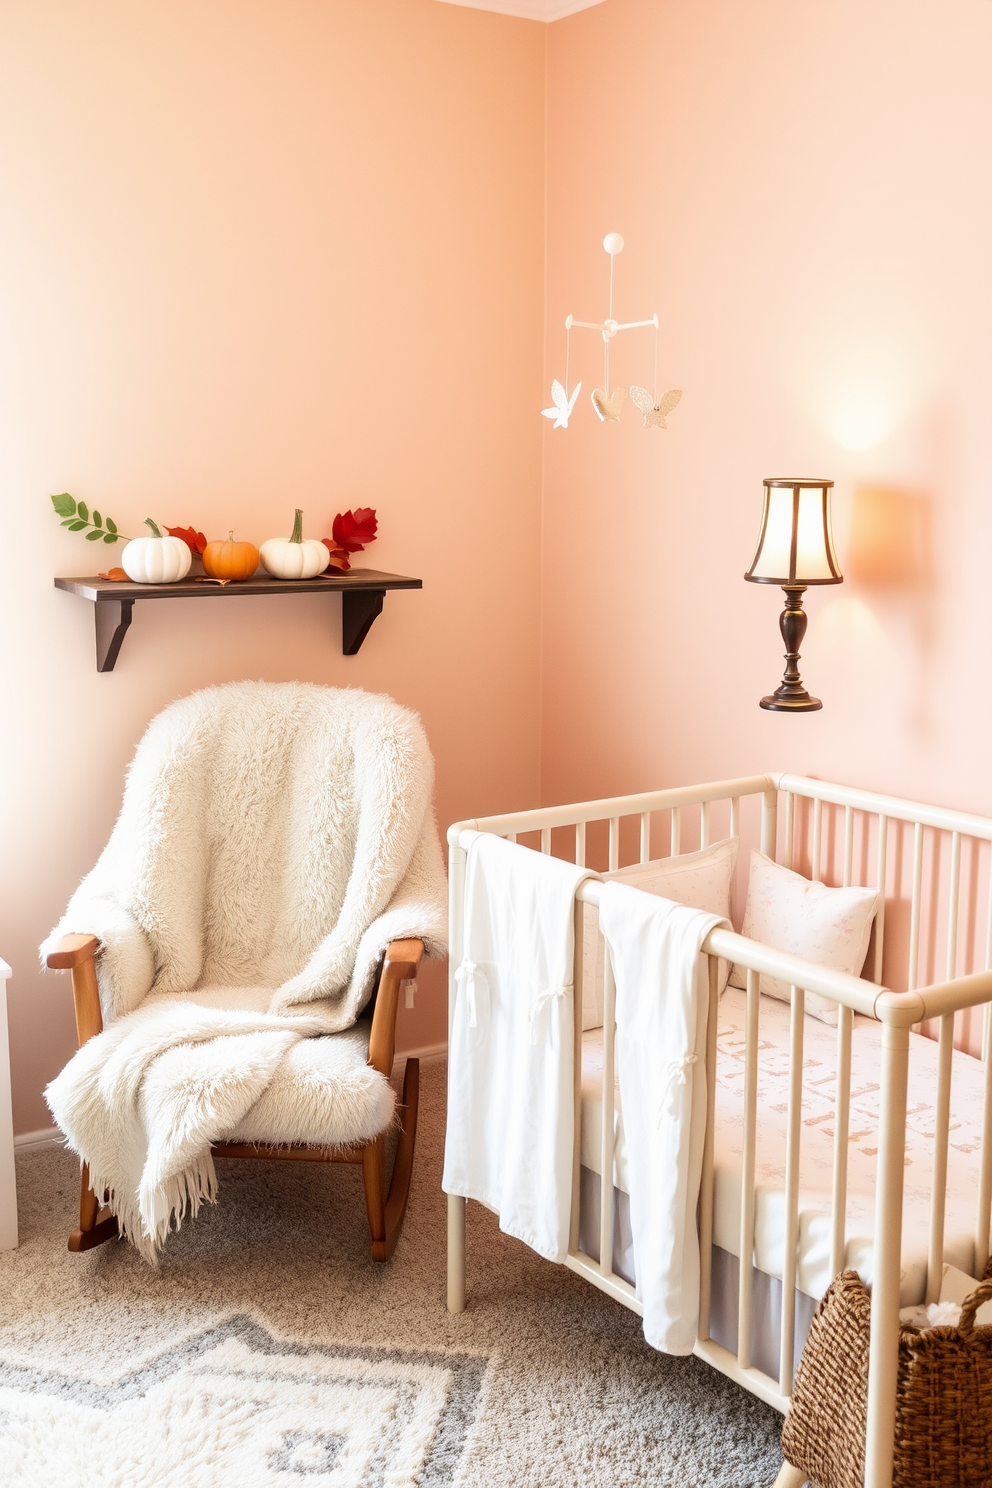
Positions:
{"x": 230, "y": 560}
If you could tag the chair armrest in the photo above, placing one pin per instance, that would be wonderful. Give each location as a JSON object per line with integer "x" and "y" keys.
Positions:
{"x": 73, "y": 951}
{"x": 403, "y": 958}
{"x": 76, "y": 953}
{"x": 400, "y": 964}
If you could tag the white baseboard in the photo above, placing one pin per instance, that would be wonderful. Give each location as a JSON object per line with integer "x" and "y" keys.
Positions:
{"x": 48, "y": 1136}
{"x": 429, "y": 1051}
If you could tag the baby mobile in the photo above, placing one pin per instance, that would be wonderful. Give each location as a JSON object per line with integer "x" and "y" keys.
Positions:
{"x": 608, "y": 405}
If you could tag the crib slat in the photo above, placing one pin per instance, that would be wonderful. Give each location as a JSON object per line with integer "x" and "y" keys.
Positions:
{"x": 883, "y": 841}
{"x": 952, "y": 905}
{"x": 708, "y": 1178}
{"x": 578, "y": 972}
{"x": 983, "y": 1219}
{"x": 817, "y": 840}
{"x": 735, "y": 831}
{"x": 608, "y": 1122}
{"x": 511, "y": 836}
{"x": 788, "y": 1332}
{"x": 848, "y": 845}
{"x": 704, "y": 824}
{"x": 676, "y": 846}
{"x": 942, "y": 1126}
{"x": 769, "y": 824}
{"x": 546, "y": 840}
{"x": 883, "y": 1359}
{"x": 580, "y": 844}
{"x": 914, "y": 922}
{"x": 645, "y": 836}
{"x": 747, "y": 1174}
{"x": 842, "y": 1129}
{"x": 614, "y": 843}
{"x": 790, "y": 814}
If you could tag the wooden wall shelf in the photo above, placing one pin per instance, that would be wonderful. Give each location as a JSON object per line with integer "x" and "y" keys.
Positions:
{"x": 362, "y": 593}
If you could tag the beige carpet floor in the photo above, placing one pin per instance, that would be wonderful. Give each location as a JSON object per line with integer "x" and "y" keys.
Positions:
{"x": 270, "y": 1349}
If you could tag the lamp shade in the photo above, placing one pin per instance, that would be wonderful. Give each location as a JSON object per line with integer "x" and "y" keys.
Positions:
{"x": 795, "y": 544}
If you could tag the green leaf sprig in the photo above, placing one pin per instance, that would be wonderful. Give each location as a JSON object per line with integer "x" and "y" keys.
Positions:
{"x": 76, "y": 516}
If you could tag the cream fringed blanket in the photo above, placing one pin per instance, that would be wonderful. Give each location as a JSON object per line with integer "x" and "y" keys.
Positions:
{"x": 274, "y": 838}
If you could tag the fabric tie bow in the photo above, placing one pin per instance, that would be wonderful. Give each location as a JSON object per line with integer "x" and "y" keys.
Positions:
{"x": 540, "y": 1003}
{"x": 675, "y": 1074}
{"x": 676, "y": 1070}
{"x": 474, "y": 986}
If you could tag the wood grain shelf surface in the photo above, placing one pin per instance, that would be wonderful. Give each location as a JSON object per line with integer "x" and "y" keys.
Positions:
{"x": 362, "y": 592}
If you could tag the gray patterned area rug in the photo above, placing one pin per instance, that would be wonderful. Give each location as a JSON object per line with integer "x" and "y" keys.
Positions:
{"x": 269, "y": 1349}
{"x": 251, "y": 1409}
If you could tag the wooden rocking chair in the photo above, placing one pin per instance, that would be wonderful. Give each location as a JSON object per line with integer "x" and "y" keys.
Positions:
{"x": 386, "y": 1206}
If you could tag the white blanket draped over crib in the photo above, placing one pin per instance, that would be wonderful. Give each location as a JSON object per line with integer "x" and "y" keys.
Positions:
{"x": 510, "y": 1074}
{"x": 662, "y": 1003}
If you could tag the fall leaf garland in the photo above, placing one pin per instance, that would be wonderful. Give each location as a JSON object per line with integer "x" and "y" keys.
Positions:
{"x": 351, "y": 532}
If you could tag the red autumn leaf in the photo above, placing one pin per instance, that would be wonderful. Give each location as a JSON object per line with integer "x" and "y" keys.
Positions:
{"x": 195, "y": 541}
{"x": 116, "y": 575}
{"x": 353, "y": 529}
{"x": 339, "y": 558}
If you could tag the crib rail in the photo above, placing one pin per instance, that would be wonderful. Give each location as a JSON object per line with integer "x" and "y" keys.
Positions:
{"x": 615, "y": 807}
{"x": 799, "y": 826}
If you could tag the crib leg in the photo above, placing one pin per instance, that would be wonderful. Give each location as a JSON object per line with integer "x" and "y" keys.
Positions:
{"x": 790, "y": 1477}
{"x": 456, "y": 1253}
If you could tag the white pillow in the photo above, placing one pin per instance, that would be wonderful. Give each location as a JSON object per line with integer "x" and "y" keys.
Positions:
{"x": 790, "y": 913}
{"x": 700, "y": 880}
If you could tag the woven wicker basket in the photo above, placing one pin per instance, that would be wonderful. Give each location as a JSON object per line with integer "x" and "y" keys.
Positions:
{"x": 943, "y": 1403}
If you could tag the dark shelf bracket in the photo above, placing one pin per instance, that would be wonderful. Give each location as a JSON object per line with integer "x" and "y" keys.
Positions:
{"x": 112, "y": 618}
{"x": 359, "y": 608}
{"x": 362, "y": 597}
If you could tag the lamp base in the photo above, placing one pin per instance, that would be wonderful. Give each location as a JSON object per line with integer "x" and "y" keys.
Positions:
{"x": 790, "y": 696}
{"x": 798, "y": 703}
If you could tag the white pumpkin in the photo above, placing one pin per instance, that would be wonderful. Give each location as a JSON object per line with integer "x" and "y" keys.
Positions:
{"x": 158, "y": 559}
{"x": 294, "y": 557}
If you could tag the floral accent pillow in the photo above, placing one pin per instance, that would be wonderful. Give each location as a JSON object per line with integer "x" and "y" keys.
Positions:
{"x": 700, "y": 880}
{"x": 790, "y": 913}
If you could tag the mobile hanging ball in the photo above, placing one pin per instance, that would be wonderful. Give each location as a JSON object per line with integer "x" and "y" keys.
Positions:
{"x": 613, "y": 243}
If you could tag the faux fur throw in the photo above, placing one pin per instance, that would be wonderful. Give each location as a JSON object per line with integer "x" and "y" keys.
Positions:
{"x": 274, "y": 838}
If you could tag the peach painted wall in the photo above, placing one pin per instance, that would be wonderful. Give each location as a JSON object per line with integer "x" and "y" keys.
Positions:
{"x": 257, "y": 256}
{"x": 263, "y": 256}
{"x": 804, "y": 194}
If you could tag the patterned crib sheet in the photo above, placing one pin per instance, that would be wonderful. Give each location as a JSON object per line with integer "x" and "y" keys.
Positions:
{"x": 817, "y": 1144}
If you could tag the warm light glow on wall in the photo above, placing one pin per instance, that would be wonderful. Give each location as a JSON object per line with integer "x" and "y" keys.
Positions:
{"x": 861, "y": 418}
{"x": 889, "y": 544}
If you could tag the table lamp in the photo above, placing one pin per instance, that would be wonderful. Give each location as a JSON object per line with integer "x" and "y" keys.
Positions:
{"x": 795, "y": 549}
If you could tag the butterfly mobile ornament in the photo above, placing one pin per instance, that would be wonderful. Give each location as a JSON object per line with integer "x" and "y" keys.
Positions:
{"x": 653, "y": 408}
{"x": 562, "y": 411}
{"x": 609, "y": 405}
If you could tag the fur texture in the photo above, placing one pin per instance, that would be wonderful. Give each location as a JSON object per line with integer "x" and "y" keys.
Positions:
{"x": 272, "y": 841}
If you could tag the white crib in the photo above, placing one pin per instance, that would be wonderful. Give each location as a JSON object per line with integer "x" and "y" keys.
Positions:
{"x": 935, "y": 925}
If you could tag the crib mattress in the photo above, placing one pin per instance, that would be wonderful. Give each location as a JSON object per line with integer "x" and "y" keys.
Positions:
{"x": 816, "y": 1145}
